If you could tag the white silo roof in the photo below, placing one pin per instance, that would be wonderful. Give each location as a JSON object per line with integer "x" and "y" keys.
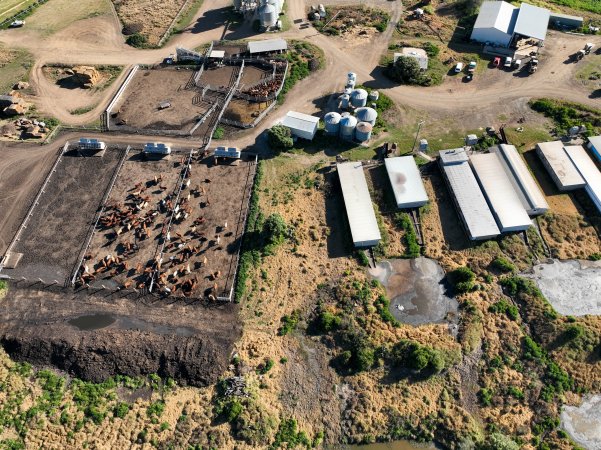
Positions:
{"x": 366, "y": 114}
{"x": 359, "y": 93}
{"x": 364, "y": 127}
{"x": 332, "y": 117}
{"x": 348, "y": 121}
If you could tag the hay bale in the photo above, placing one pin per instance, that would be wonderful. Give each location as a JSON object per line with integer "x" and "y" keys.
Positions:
{"x": 86, "y": 76}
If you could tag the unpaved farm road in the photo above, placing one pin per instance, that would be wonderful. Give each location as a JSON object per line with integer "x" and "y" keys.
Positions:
{"x": 99, "y": 41}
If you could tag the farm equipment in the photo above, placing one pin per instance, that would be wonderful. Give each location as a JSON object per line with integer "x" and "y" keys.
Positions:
{"x": 588, "y": 47}
{"x": 533, "y": 65}
{"x": 496, "y": 62}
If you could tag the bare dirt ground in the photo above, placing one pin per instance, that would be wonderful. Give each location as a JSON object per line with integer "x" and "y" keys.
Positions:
{"x": 22, "y": 171}
{"x": 60, "y": 222}
{"x": 244, "y": 111}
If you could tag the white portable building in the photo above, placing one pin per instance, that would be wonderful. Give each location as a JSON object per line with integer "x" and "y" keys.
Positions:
{"x": 524, "y": 183}
{"x": 406, "y": 182}
{"x": 301, "y": 125}
{"x": 359, "y": 208}
{"x": 469, "y": 199}
{"x": 502, "y": 197}
{"x": 587, "y": 168}
{"x": 559, "y": 165}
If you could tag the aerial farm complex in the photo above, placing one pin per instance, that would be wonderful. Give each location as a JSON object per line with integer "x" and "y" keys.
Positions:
{"x": 279, "y": 225}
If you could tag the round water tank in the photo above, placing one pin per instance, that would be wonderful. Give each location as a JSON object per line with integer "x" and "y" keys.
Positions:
{"x": 348, "y": 91}
{"x": 359, "y": 98}
{"x": 347, "y": 127}
{"x": 351, "y": 76}
{"x": 268, "y": 16}
{"x": 363, "y": 131}
{"x": 350, "y": 84}
{"x": 332, "y": 121}
{"x": 366, "y": 114}
{"x": 345, "y": 101}
{"x": 374, "y": 96}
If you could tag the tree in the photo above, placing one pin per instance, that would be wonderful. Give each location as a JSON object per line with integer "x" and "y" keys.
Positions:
{"x": 498, "y": 441}
{"x": 275, "y": 229}
{"x": 406, "y": 70}
{"x": 280, "y": 138}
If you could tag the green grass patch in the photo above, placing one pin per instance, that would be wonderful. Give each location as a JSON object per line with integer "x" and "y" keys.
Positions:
{"x": 412, "y": 248}
{"x": 185, "y": 18}
{"x": 81, "y": 111}
{"x": 16, "y": 68}
{"x": 567, "y": 114}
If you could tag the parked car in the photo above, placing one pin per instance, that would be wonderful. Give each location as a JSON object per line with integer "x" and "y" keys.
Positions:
{"x": 508, "y": 61}
{"x": 458, "y": 67}
{"x": 496, "y": 62}
{"x": 471, "y": 67}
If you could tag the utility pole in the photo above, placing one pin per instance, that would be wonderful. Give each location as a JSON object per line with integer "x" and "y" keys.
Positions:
{"x": 419, "y": 127}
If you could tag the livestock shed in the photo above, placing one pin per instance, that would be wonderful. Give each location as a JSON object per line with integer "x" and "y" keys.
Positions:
{"x": 594, "y": 145}
{"x": 500, "y": 23}
{"x": 471, "y": 205}
{"x": 524, "y": 183}
{"x": 359, "y": 208}
{"x": 406, "y": 182}
{"x": 559, "y": 165}
{"x": 565, "y": 21}
{"x": 587, "y": 168}
{"x": 267, "y": 46}
{"x": 502, "y": 197}
{"x": 301, "y": 125}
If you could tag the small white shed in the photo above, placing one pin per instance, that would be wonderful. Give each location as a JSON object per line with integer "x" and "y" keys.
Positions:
{"x": 301, "y": 125}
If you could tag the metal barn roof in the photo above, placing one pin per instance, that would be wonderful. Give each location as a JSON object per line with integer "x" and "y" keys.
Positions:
{"x": 495, "y": 14}
{"x": 532, "y": 21}
{"x": 502, "y": 197}
{"x": 474, "y": 210}
{"x": 359, "y": 208}
{"x": 453, "y": 156}
{"x": 595, "y": 142}
{"x": 268, "y": 45}
{"x": 560, "y": 165}
{"x": 406, "y": 181}
{"x": 532, "y": 197}
{"x": 587, "y": 168}
{"x": 217, "y": 54}
{"x": 300, "y": 121}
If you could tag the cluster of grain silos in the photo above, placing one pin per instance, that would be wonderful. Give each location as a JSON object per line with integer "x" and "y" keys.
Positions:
{"x": 269, "y": 12}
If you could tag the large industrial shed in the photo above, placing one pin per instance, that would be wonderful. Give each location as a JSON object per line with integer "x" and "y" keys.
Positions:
{"x": 588, "y": 170}
{"x": 406, "y": 182}
{"x": 267, "y": 46}
{"x": 500, "y": 23}
{"x": 559, "y": 165}
{"x": 359, "y": 209}
{"x": 499, "y": 190}
{"x": 528, "y": 191}
{"x": 594, "y": 145}
{"x": 471, "y": 204}
{"x": 301, "y": 125}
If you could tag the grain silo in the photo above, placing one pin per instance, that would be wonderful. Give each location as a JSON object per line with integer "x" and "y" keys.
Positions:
{"x": 374, "y": 96}
{"x": 366, "y": 114}
{"x": 332, "y": 121}
{"x": 363, "y": 131}
{"x": 359, "y": 98}
{"x": 268, "y": 16}
{"x": 345, "y": 101}
{"x": 347, "y": 127}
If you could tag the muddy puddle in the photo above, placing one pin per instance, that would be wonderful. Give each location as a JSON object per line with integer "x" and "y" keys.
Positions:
{"x": 417, "y": 295}
{"x": 572, "y": 287}
{"x": 396, "y": 445}
{"x": 583, "y": 423}
{"x": 99, "y": 321}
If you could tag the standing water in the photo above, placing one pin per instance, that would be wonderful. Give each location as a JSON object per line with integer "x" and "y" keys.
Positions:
{"x": 583, "y": 423}
{"x": 396, "y": 445}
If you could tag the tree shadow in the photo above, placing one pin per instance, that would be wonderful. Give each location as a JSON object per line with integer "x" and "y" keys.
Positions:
{"x": 339, "y": 240}
{"x": 211, "y": 20}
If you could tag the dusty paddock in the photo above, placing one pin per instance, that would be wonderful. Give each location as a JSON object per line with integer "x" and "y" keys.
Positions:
{"x": 60, "y": 222}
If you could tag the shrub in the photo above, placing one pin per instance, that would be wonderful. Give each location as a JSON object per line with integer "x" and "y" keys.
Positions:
{"x": 503, "y": 265}
{"x": 280, "y": 138}
{"x": 155, "y": 409}
{"x": 462, "y": 279}
{"x": 132, "y": 28}
{"x": 406, "y": 70}
{"x": 265, "y": 367}
{"x": 121, "y": 410}
{"x": 485, "y": 396}
{"x": 417, "y": 357}
{"x": 498, "y": 441}
{"x": 431, "y": 49}
{"x": 504, "y": 307}
{"x": 382, "y": 305}
{"x": 326, "y": 322}
{"x": 136, "y": 40}
{"x": 289, "y": 323}
{"x": 531, "y": 350}
{"x": 275, "y": 229}
{"x": 403, "y": 221}
{"x": 218, "y": 133}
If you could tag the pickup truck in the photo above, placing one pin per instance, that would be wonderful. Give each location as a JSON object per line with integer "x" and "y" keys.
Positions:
{"x": 507, "y": 63}
{"x": 471, "y": 67}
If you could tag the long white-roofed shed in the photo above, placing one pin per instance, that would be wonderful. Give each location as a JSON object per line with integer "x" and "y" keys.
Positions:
{"x": 267, "y": 46}
{"x": 359, "y": 208}
{"x": 469, "y": 199}
{"x": 524, "y": 183}
{"x": 406, "y": 182}
{"x": 301, "y": 125}
{"x": 587, "y": 168}
{"x": 559, "y": 165}
{"x": 502, "y": 197}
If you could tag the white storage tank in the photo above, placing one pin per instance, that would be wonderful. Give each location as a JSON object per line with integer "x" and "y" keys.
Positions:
{"x": 277, "y": 4}
{"x": 332, "y": 121}
{"x": 359, "y": 98}
{"x": 363, "y": 131}
{"x": 351, "y": 76}
{"x": 268, "y": 16}
{"x": 374, "y": 96}
{"x": 347, "y": 127}
{"x": 367, "y": 114}
{"x": 345, "y": 101}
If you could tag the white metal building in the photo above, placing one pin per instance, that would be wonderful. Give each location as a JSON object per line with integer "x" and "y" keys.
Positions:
{"x": 267, "y": 46}
{"x": 359, "y": 208}
{"x": 471, "y": 204}
{"x": 594, "y": 145}
{"x": 301, "y": 125}
{"x": 502, "y": 197}
{"x": 587, "y": 168}
{"x": 559, "y": 165}
{"x": 524, "y": 183}
{"x": 499, "y": 23}
{"x": 406, "y": 182}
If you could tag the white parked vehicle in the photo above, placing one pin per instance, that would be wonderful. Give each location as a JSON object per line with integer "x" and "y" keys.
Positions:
{"x": 17, "y": 24}
{"x": 459, "y": 67}
{"x": 507, "y": 62}
{"x": 517, "y": 63}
